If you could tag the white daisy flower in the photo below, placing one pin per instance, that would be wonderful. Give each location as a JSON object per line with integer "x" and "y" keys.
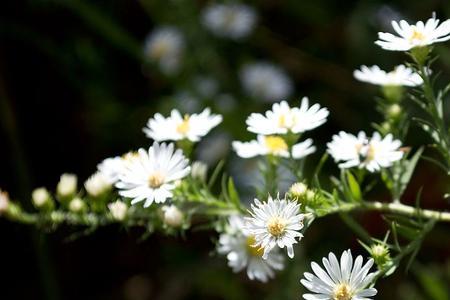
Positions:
{"x": 400, "y": 76}
{"x": 358, "y": 151}
{"x": 233, "y": 21}
{"x": 412, "y": 36}
{"x": 151, "y": 177}
{"x": 238, "y": 245}
{"x": 176, "y": 127}
{"x": 265, "y": 81}
{"x": 347, "y": 281}
{"x": 272, "y": 145}
{"x": 275, "y": 223}
{"x": 283, "y": 119}
{"x": 112, "y": 167}
{"x": 165, "y": 45}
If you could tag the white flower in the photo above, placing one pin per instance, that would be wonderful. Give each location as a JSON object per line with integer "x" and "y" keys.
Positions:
{"x": 4, "y": 202}
{"x": 265, "y": 81}
{"x": 118, "y": 210}
{"x": 172, "y": 216}
{"x": 165, "y": 46}
{"x": 112, "y": 167}
{"x": 358, "y": 151}
{"x": 283, "y": 119}
{"x": 238, "y": 245}
{"x": 40, "y": 197}
{"x": 151, "y": 177}
{"x": 67, "y": 185}
{"x": 275, "y": 223}
{"x": 233, "y": 21}
{"x": 97, "y": 185}
{"x": 176, "y": 127}
{"x": 400, "y": 76}
{"x": 411, "y": 36}
{"x": 347, "y": 281}
{"x": 272, "y": 145}
{"x": 77, "y": 205}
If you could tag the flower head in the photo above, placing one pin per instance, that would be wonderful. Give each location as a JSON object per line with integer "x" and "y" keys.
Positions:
{"x": 272, "y": 145}
{"x": 67, "y": 185}
{"x": 165, "y": 46}
{"x": 345, "y": 281}
{"x": 239, "y": 247}
{"x": 41, "y": 198}
{"x": 400, "y": 76}
{"x": 411, "y": 36}
{"x": 118, "y": 210}
{"x": 275, "y": 223}
{"x": 97, "y": 185}
{"x": 233, "y": 21}
{"x": 265, "y": 81}
{"x": 177, "y": 127}
{"x": 151, "y": 177}
{"x": 283, "y": 119}
{"x": 173, "y": 216}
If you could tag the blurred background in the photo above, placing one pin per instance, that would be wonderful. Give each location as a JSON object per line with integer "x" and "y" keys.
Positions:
{"x": 79, "y": 80}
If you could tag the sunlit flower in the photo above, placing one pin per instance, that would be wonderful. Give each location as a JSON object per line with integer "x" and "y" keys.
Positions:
{"x": 176, "y": 127}
{"x": 172, "y": 216}
{"x": 67, "y": 185}
{"x": 400, "y": 76}
{"x": 265, "y": 81}
{"x": 283, "y": 119}
{"x": 152, "y": 176}
{"x": 275, "y": 223}
{"x": 165, "y": 46}
{"x": 347, "y": 281}
{"x": 233, "y": 21}
{"x": 118, "y": 210}
{"x": 97, "y": 185}
{"x": 359, "y": 151}
{"x": 272, "y": 145}
{"x": 238, "y": 245}
{"x": 412, "y": 36}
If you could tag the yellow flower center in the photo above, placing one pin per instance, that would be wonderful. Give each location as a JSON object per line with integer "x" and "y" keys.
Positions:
{"x": 416, "y": 36}
{"x": 251, "y": 249}
{"x": 276, "y": 226}
{"x": 370, "y": 153}
{"x": 342, "y": 292}
{"x": 275, "y": 144}
{"x": 155, "y": 180}
{"x": 184, "y": 126}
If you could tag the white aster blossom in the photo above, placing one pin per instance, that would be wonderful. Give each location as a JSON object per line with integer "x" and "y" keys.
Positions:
{"x": 176, "y": 127}
{"x": 165, "y": 45}
{"x": 283, "y": 119}
{"x": 40, "y": 197}
{"x": 275, "y": 223}
{"x": 172, "y": 216}
{"x": 400, "y": 76}
{"x": 239, "y": 247}
{"x": 234, "y": 21}
{"x": 411, "y": 36}
{"x": 152, "y": 176}
{"x": 67, "y": 185}
{"x": 359, "y": 151}
{"x": 118, "y": 210}
{"x": 112, "y": 167}
{"x": 97, "y": 184}
{"x": 345, "y": 281}
{"x": 273, "y": 145}
{"x": 265, "y": 81}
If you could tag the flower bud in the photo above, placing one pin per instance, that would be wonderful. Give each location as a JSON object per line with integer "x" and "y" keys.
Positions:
{"x": 41, "y": 199}
{"x": 172, "y": 217}
{"x": 4, "y": 202}
{"x": 97, "y": 185}
{"x": 394, "y": 111}
{"x": 77, "y": 205}
{"x": 118, "y": 210}
{"x": 199, "y": 171}
{"x": 67, "y": 186}
{"x": 298, "y": 190}
{"x": 380, "y": 254}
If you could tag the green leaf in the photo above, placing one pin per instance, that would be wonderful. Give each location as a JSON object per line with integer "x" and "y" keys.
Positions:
{"x": 409, "y": 170}
{"x": 233, "y": 194}
{"x": 353, "y": 185}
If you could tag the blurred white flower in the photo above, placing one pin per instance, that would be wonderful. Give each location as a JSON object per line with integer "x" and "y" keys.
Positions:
{"x": 172, "y": 217}
{"x": 199, "y": 170}
{"x": 275, "y": 223}
{"x": 176, "y": 127}
{"x": 40, "y": 197}
{"x": 67, "y": 185}
{"x": 165, "y": 45}
{"x": 118, "y": 210}
{"x": 358, "y": 151}
{"x": 283, "y": 119}
{"x": 234, "y": 21}
{"x": 400, "y": 76}
{"x": 412, "y": 36}
{"x": 347, "y": 281}
{"x": 238, "y": 245}
{"x": 265, "y": 81}
{"x": 152, "y": 176}
{"x": 4, "y": 202}
{"x": 97, "y": 184}
{"x": 77, "y": 205}
{"x": 272, "y": 145}
{"x": 112, "y": 167}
